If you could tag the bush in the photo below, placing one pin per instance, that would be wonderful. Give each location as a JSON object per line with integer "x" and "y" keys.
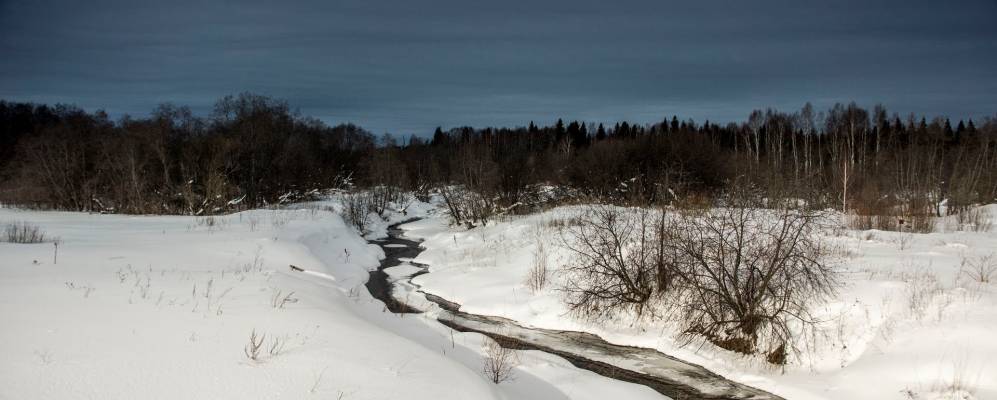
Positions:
{"x": 359, "y": 205}
{"x": 982, "y": 269}
{"x": 748, "y": 275}
{"x": 22, "y": 232}
{"x": 536, "y": 278}
{"x": 615, "y": 262}
{"x": 977, "y": 219}
{"x": 739, "y": 276}
{"x": 499, "y": 362}
{"x": 467, "y": 207}
{"x": 356, "y": 209}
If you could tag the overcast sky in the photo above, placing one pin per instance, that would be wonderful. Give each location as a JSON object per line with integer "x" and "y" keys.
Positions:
{"x": 406, "y": 66}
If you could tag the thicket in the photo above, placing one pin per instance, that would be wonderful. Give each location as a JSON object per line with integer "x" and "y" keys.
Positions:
{"x": 254, "y": 151}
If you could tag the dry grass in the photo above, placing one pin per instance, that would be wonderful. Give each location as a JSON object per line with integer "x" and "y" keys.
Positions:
{"x": 22, "y": 232}
{"x": 536, "y": 278}
{"x": 981, "y": 269}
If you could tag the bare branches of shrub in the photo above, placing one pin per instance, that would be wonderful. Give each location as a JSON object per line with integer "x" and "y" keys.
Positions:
{"x": 499, "y": 362}
{"x": 22, "y": 232}
{"x": 258, "y": 343}
{"x": 921, "y": 287}
{"x": 748, "y": 275}
{"x": 252, "y": 349}
{"x": 467, "y": 207}
{"x": 982, "y": 269}
{"x": 615, "y": 260}
{"x": 741, "y": 276}
{"x": 356, "y": 210}
{"x": 358, "y": 206}
{"x": 976, "y": 219}
{"x": 278, "y": 299}
{"x": 536, "y": 278}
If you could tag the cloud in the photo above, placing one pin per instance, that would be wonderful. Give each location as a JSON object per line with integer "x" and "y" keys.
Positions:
{"x": 405, "y": 67}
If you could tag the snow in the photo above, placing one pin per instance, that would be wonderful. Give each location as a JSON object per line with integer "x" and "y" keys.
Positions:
{"x": 158, "y": 307}
{"x": 162, "y": 307}
{"x": 907, "y": 323}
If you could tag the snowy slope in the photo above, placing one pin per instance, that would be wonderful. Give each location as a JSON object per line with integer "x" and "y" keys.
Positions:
{"x": 909, "y": 322}
{"x": 157, "y": 307}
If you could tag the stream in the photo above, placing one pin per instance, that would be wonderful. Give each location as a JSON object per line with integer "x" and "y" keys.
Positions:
{"x": 667, "y": 375}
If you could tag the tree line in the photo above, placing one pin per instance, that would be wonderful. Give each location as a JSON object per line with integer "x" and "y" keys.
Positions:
{"x": 254, "y": 150}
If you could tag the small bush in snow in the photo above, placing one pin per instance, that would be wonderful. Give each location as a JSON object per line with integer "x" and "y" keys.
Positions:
{"x": 258, "y": 343}
{"x": 976, "y": 219}
{"x": 921, "y": 288}
{"x": 536, "y": 278}
{"x": 252, "y": 349}
{"x": 22, "y": 232}
{"x": 982, "y": 269}
{"x": 356, "y": 210}
{"x": 468, "y": 207}
{"x": 499, "y": 362}
{"x": 279, "y": 299}
{"x": 615, "y": 263}
{"x": 741, "y": 276}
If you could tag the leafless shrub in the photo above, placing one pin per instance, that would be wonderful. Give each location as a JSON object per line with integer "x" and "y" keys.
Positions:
{"x": 258, "y": 343}
{"x": 921, "y": 287}
{"x": 867, "y": 222}
{"x": 615, "y": 260}
{"x": 356, "y": 209}
{"x": 252, "y": 349}
{"x": 536, "y": 278}
{"x": 278, "y": 299}
{"x": 740, "y": 276}
{"x": 467, "y": 207}
{"x": 748, "y": 275}
{"x": 278, "y": 219}
{"x": 959, "y": 385}
{"x": 976, "y": 219}
{"x": 382, "y": 196}
{"x": 982, "y": 269}
{"x": 499, "y": 362}
{"x": 210, "y": 222}
{"x": 923, "y": 223}
{"x": 276, "y": 346}
{"x": 257, "y": 264}
{"x": 22, "y": 232}
{"x": 254, "y": 222}
{"x": 317, "y": 381}
{"x": 561, "y": 223}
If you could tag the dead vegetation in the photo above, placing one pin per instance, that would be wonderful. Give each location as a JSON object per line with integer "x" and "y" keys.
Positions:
{"x": 22, "y": 232}
{"x": 741, "y": 276}
{"x": 254, "y": 350}
{"x": 499, "y": 362}
{"x": 536, "y": 278}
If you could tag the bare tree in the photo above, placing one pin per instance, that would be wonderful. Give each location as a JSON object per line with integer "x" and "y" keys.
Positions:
{"x": 748, "y": 275}
{"x": 615, "y": 260}
{"x": 499, "y": 362}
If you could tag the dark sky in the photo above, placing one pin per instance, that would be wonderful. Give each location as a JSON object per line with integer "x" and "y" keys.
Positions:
{"x": 408, "y": 66}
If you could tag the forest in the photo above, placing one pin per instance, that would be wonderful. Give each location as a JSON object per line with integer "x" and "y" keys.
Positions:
{"x": 254, "y": 151}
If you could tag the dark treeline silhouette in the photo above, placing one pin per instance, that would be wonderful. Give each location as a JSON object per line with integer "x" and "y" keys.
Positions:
{"x": 254, "y": 150}
{"x": 250, "y": 152}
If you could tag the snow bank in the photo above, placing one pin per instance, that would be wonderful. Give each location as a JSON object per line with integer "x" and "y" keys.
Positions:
{"x": 909, "y": 321}
{"x": 161, "y": 307}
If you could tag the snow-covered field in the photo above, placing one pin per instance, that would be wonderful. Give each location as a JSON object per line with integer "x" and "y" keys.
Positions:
{"x": 155, "y": 307}
{"x": 909, "y": 322}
